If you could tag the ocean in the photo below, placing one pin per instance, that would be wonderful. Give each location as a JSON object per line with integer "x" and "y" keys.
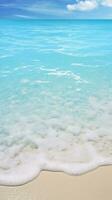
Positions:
{"x": 55, "y": 97}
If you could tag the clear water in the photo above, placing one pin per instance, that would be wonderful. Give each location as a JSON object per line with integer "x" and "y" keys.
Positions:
{"x": 55, "y": 97}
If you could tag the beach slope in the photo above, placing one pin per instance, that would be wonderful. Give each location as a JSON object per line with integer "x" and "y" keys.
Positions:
{"x": 95, "y": 185}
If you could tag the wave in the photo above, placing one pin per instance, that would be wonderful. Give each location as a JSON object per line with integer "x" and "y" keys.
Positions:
{"x": 31, "y": 143}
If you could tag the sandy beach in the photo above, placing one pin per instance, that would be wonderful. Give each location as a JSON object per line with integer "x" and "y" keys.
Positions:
{"x": 95, "y": 185}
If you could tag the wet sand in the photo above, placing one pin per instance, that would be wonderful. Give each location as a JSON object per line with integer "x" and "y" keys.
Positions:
{"x": 95, "y": 185}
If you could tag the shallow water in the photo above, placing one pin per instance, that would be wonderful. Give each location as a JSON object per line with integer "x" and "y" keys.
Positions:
{"x": 55, "y": 97}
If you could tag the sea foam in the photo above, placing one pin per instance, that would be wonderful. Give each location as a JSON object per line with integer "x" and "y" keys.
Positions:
{"x": 58, "y": 143}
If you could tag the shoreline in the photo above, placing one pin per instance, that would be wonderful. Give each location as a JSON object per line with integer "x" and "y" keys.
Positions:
{"x": 94, "y": 185}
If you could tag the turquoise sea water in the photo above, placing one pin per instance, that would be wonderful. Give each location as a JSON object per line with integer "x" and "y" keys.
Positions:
{"x": 55, "y": 97}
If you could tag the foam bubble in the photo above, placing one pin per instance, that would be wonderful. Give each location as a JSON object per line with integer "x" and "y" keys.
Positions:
{"x": 60, "y": 143}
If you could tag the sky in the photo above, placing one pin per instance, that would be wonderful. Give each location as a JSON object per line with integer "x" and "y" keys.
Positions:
{"x": 56, "y": 9}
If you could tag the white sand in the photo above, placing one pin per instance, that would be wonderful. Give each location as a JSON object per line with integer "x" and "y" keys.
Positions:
{"x": 95, "y": 185}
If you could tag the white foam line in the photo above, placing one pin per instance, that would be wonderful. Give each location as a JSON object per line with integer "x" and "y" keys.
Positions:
{"x": 30, "y": 172}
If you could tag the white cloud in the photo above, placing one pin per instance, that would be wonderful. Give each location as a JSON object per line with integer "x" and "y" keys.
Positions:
{"x": 107, "y": 3}
{"x": 8, "y": 5}
{"x": 87, "y": 5}
{"x": 45, "y": 8}
{"x": 82, "y": 5}
{"x": 23, "y": 16}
